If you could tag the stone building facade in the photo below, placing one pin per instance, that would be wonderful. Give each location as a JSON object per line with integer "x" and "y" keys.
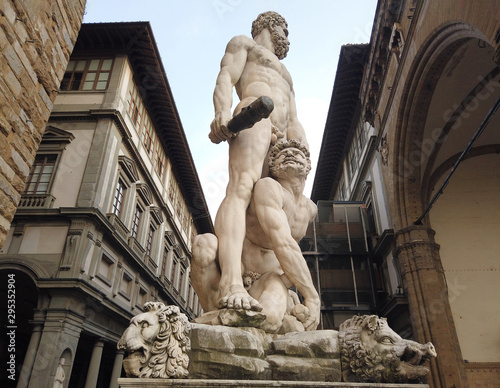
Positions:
{"x": 36, "y": 41}
{"x": 108, "y": 214}
{"x": 411, "y": 134}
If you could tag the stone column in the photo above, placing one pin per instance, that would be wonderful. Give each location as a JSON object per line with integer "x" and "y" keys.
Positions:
{"x": 417, "y": 255}
{"x": 29, "y": 359}
{"x": 117, "y": 368}
{"x": 95, "y": 363}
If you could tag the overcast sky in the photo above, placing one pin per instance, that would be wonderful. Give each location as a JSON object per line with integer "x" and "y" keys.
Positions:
{"x": 192, "y": 35}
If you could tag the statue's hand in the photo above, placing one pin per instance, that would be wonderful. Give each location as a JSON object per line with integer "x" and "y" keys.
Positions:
{"x": 312, "y": 321}
{"x": 218, "y": 128}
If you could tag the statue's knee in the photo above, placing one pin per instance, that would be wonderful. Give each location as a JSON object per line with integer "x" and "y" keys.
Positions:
{"x": 242, "y": 186}
{"x": 205, "y": 249}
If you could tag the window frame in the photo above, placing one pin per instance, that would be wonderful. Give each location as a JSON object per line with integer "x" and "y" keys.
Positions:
{"x": 50, "y": 182}
{"x": 150, "y": 239}
{"x": 119, "y": 211}
{"x": 136, "y": 226}
{"x": 85, "y": 73}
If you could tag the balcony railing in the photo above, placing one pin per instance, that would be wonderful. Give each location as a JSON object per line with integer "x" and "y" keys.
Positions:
{"x": 36, "y": 201}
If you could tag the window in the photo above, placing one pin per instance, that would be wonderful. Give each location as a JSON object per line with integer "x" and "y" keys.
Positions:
{"x": 118, "y": 199}
{"x": 357, "y": 146}
{"x": 40, "y": 175}
{"x": 149, "y": 243}
{"x": 136, "y": 222}
{"x": 135, "y": 108}
{"x": 159, "y": 161}
{"x": 147, "y": 140}
{"x": 172, "y": 190}
{"x": 173, "y": 272}
{"x": 87, "y": 74}
{"x": 164, "y": 261}
{"x": 134, "y": 113}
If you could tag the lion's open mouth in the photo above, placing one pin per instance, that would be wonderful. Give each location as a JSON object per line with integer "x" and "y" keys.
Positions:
{"x": 135, "y": 349}
{"x": 137, "y": 354}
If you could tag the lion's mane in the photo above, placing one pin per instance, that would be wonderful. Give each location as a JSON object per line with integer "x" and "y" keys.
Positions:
{"x": 169, "y": 353}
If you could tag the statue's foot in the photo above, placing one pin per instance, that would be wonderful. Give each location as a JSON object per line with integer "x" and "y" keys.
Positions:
{"x": 237, "y": 297}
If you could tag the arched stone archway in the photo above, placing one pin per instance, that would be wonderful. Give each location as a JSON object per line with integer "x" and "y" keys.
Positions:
{"x": 446, "y": 80}
{"x": 416, "y": 138}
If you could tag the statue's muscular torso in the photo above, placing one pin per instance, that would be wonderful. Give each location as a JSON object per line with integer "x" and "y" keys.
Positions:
{"x": 258, "y": 254}
{"x": 264, "y": 75}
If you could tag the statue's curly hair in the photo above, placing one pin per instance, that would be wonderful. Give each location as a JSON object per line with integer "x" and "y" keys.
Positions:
{"x": 169, "y": 353}
{"x": 267, "y": 19}
{"x": 281, "y": 145}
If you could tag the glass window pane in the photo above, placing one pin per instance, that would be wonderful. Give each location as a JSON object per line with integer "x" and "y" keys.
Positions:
{"x": 90, "y": 77}
{"x": 44, "y": 178}
{"x": 71, "y": 65}
{"x": 101, "y": 85}
{"x": 80, "y": 65}
{"x": 30, "y": 188}
{"x": 94, "y": 64}
{"x": 106, "y": 64}
{"x": 42, "y": 188}
{"x": 88, "y": 85}
{"x": 77, "y": 78}
{"x": 103, "y": 76}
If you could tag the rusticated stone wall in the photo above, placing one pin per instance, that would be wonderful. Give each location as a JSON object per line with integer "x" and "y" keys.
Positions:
{"x": 36, "y": 41}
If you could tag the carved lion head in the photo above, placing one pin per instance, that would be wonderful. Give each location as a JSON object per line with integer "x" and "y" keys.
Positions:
{"x": 157, "y": 343}
{"x": 372, "y": 352}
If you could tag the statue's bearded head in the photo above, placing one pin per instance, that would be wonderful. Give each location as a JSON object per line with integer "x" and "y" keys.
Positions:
{"x": 272, "y": 20}
{"x": 289, "y": 155}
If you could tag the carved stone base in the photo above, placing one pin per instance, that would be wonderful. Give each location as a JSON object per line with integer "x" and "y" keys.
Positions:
{"x": 232, "y": 318}
{"x": 220, "y": 352}
{"x": 152, "y": 383}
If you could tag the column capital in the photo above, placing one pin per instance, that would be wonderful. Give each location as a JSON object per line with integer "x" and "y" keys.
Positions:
{"x": 414, "y": 233}
{"x": 416, "y": 249}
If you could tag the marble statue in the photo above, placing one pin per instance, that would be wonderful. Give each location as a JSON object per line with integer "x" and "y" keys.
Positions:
{"x": 253, "y": 68}
{"x": 271, "y": 259}
{"x": 60, "y": 375}
{"x": 157, "y": 343}
{"x": 372, "y": 352}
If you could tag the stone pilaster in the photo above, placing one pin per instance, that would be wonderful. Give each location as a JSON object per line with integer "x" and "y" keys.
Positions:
{"x": 417, "y": 255}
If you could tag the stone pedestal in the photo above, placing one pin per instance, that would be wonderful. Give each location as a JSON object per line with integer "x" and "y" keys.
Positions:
{"x": 222, "y": 356}
{"x": 220, "y": 352}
